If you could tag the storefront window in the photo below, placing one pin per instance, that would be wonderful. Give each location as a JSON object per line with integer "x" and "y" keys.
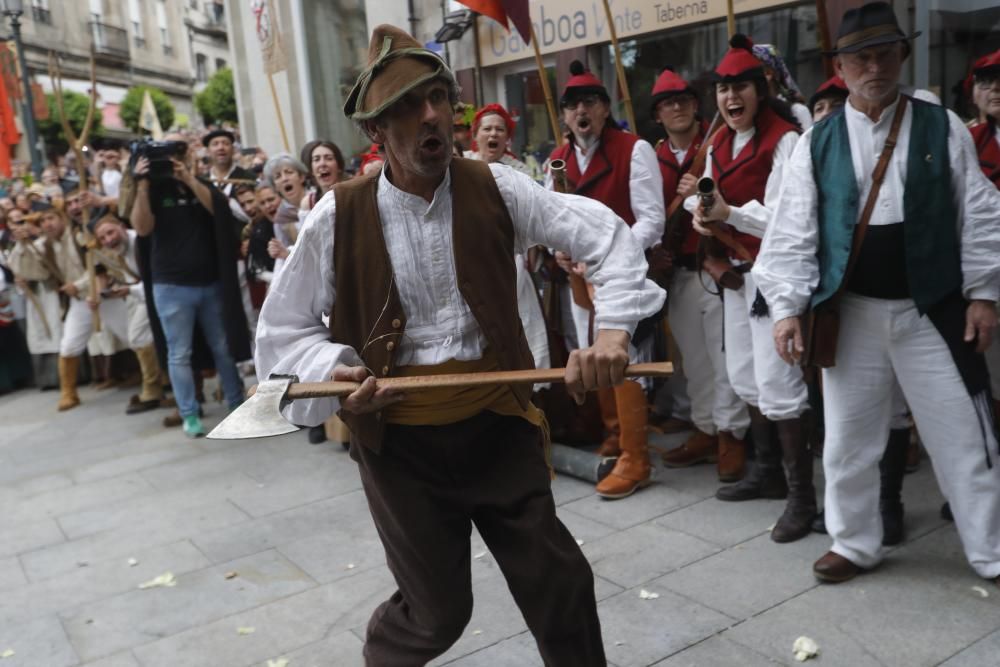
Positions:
{"x": 526, "y": 102}
{"x": 695, "y": 51}
{"x": 960, "y": 32}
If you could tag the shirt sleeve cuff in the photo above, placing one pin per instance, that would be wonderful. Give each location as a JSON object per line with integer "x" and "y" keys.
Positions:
{"x": 627, "y": 327}
{"x": 983, "y": 293}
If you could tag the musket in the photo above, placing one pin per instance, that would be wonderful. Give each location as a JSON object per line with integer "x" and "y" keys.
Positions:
{"x": 706, "y": 200}
{"x": 577, "y": 285}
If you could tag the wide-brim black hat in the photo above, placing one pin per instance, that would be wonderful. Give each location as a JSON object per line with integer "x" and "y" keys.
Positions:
{"x": 218, "y": 133}
{"x": 869, "y": 25}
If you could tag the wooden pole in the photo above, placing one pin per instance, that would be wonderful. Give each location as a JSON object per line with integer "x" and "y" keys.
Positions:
{"x": 730, "y": 19}
{"x": 823, "y": 33}
{"x": 477, "y": 73}
{"x": 77, "y": 144}
{"x": 622, "y": 83}
{"x": 543, "y": 78}
{"x": 277, "y": 110}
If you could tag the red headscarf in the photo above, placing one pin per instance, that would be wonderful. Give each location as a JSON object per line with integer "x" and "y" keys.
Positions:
{"x": 486, "y": 111}
{"x": 371, "y": 156}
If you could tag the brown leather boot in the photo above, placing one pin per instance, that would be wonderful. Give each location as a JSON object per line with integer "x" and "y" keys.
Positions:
{"x": 149, "y": 365}
{"x": 732, "y": 458}
{"x": 632, "y": 471}
{"x": 765, "y": 479}
{"x": 699, "y": 448}
{"x": 796, "y": 522}
{"x": 609, "y": 417}
{"x": 68, "y": 369}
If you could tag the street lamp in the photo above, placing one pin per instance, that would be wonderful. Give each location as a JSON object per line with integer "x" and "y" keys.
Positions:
{"x": 13, "y": 9}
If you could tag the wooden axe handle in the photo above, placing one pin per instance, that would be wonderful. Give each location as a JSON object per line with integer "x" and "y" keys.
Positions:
{"x": 331, "y": 388}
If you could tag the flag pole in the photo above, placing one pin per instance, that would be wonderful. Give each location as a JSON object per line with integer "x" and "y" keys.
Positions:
{"x": 622, "y": 83}
{"x": 543, "y": 77}
{"x": 277, "y": 110}
{"x": 823, "y": 32}
{"x": 730, "y": 19}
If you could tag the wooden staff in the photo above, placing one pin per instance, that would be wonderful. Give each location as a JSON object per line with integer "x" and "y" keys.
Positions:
{"x": 730, "y": 19}
{"x": 277, "y": 111}
{"x": 33, "y": 298}
{"x": 823, "y": 32}
{"x": 622, "y": 83}
{"x": 77, "y": 144}
{"x": 550, "y": 104}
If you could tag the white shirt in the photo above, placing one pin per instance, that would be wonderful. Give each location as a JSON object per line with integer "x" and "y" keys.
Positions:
{"x": 787, "y": 269}
{"x": 754, "y": 216}
{"x": 291, "y": 338}
{"x": 111, "y": 182}
{"x": 645, "y": 190}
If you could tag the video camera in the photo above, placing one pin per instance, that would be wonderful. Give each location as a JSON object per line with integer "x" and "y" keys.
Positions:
{"x": 159, "y": 154}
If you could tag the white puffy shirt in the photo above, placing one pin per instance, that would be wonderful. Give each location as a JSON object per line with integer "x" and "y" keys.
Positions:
{"x": 787, "y": 269}
{"x": 291, "y": 337}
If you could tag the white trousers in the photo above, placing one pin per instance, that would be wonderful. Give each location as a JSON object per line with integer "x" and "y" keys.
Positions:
{"x": 532, "y": 319}
{"x": 78, "y": 325}
{"x": 696, "y": 321}
{"x": 882, "y": 340}
{"x": 756, "y": 372}
{"x": 42, "y": 340}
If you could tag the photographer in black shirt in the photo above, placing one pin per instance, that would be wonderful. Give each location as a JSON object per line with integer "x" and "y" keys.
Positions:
{"x": 192, "y": 254}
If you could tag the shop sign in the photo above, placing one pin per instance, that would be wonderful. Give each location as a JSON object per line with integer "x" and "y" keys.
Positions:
{"x": 564, "y": 24}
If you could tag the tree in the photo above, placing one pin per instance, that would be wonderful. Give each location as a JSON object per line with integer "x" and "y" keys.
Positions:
{"x": 131, "y": 107}
{"x": 217, "y": 102}
{"x": 51, "y": 129}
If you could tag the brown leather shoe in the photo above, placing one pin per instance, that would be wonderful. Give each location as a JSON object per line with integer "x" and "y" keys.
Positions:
{"x": 833, "y": 568}
{"x": 732, "y": 458}
{"x": 699, "y": 448}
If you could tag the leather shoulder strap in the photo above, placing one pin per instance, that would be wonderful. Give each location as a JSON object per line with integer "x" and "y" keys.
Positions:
{"x": 877, "y": 177}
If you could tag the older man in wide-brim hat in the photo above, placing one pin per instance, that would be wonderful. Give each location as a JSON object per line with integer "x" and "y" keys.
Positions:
{"x": 413, "y": 263}
{"x": 914, "y": 292}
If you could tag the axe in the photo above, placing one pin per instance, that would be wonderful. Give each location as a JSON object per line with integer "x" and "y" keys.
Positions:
{"x": 260, "y": 415}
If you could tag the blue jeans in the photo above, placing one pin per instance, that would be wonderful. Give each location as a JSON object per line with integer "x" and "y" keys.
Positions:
{"x": 178, "y": 307}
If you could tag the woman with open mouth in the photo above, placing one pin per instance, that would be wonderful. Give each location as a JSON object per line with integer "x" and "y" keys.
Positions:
{"x": 492, "y": 129}
{"x": 747, "y": 157}
{"x": 286, "y": 176}
{"x": 326, "y": 167}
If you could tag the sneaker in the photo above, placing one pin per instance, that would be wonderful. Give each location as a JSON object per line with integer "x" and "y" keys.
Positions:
{"x": 193, "y": 427}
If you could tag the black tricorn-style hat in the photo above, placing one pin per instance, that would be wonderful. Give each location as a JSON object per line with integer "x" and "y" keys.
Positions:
{"x": 868, "y": 25}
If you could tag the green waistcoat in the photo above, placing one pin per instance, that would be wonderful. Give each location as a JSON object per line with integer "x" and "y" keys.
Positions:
{"x": 933, "y": 258}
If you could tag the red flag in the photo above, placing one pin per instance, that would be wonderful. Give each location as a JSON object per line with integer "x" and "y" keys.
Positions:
{"x": 502, "y": 10}
{"x": 9, "y": 136}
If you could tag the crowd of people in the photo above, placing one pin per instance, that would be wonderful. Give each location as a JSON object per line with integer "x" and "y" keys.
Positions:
{"x": 775, "y": 228}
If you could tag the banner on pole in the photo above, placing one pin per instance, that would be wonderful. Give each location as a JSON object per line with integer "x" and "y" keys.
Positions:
{"x": 148, "y": 120}
{"x": 269, "y": 34}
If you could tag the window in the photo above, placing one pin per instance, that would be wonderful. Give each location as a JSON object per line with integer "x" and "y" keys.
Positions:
{"x": 135, "y": 16}
{"x": 219, "y": 64}
{"x": 40, "y": 11}
{"x": 164, "y": 26}
{"x": 96, "y": 10}
{"x": 201, "y": 67}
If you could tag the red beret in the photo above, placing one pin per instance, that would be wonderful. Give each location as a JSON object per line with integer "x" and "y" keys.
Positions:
{"x": 739, "y": 63}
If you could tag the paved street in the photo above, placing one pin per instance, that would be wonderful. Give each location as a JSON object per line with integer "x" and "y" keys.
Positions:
{"x": 274, "y": 556}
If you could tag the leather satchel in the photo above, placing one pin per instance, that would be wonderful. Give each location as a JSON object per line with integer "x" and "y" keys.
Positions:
{"x": 822, "y": 326}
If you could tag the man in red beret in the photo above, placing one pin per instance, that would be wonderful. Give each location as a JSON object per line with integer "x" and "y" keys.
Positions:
{"x": 414, "y": 266}
{"x": 618, "y": 169}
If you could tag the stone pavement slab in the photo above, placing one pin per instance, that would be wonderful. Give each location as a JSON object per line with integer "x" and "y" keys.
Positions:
{"x": 76, "y": 504}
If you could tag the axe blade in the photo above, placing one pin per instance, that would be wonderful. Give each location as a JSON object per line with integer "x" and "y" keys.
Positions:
{"x": 260, "y": 415}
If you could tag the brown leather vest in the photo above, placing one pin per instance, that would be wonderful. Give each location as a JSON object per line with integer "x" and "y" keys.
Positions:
{"x": 367, "y": 313}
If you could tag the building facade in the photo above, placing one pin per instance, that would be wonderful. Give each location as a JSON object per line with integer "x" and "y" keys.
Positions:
{"x": 323, "y": 47}
{"x": 688, "y": 35}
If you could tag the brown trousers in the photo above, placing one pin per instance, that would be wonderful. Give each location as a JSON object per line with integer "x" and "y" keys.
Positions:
{"x": 425, "y": 490}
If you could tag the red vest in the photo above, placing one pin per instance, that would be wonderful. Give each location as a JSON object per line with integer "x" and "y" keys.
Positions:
{"x": 671, "y": 173}
{"x": 608, "y": 173}
{"x": 743, "y": 178}
{"x": 985, "y": 136}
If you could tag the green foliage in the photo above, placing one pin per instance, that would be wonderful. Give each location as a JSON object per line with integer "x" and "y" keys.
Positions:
{"x": 131, "y": 107}
{"x": 51, "y": 129}
{"x": 217, "y": 102}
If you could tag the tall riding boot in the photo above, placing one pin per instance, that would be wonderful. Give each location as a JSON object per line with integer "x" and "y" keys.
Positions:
{"x": 609, "y": 417}
{"x": 68, "y": 369}
{"x": 765, "y": 478}
{"x": 632, "y": 470}
{"x": 891, "y": 469}
{"x": 796, "y": 522}
{"x": 102, "y": 372}
{"x": 149, "y": 366}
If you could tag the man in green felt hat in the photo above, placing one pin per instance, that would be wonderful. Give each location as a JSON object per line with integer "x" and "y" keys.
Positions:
{"x": 414, "y": 265}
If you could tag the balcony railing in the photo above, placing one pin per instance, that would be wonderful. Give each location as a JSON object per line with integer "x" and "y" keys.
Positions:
{"x": 109, "y": 40}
